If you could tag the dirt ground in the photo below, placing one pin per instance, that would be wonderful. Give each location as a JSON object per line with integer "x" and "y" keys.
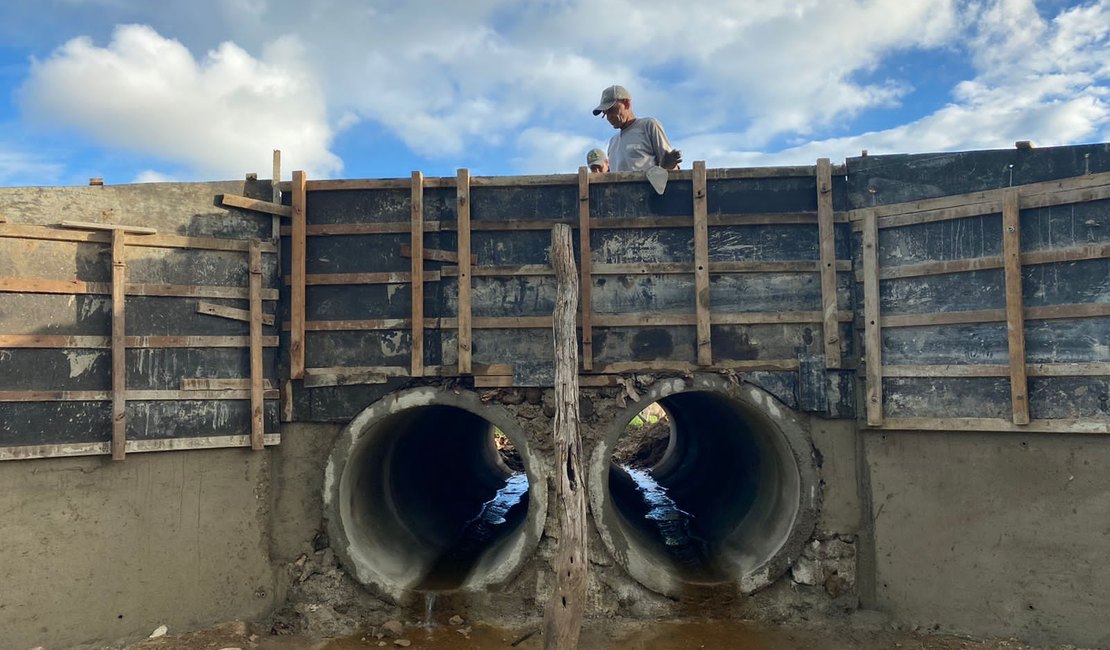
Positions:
{"x": 598, "y": 635}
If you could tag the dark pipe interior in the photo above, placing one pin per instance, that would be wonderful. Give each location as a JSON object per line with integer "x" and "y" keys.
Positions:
{"x": 730, "y": 480}
{"x": 421, "y": 486}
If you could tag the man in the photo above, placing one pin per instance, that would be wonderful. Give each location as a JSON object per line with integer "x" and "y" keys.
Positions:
{"x": 640, "y": 143}
{"x": 597, "y": 161}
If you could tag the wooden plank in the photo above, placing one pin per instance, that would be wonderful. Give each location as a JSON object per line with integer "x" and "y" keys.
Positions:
{"x": 77, "y": 287}
{"x": 255, "y": 205}
{"x": 586, "y": 283}
{"x": 92, "y": 225}
{"x": 873, "y": 338}
{"x": 133, "y": 446}
{"x": 417, "y": 254}
{"x": 220, "y": 383}
{"x": 563, "y": 618}
{"x": 312, "y": 279}
{"x": 654, "y": 268}
{"x": 105, "y": 342}
{"x": 297, "y": 243}
{"x": 462, "y": 187}
{"x": 1050, "y": 312}
{"x": 287, "y": 412}
{"x": 1015, "y": 323}
{"x": 479, "y": 370}
{"x": 436, "y": 255}
{"x": 378, "y": 228}
{"x": 258, "y": 422}
{"x": 119, "y": 345}
{"x": 275, "y": 196}
{"x": 827, "y": 238}
{"x": 995, "y": 424}
{"x": 1050, "y": 256}
{"x": 745, "y": 365}
{"x": 45, "y": 233}
{"x": 998, "y": 370}
{"x": 701, "y": 266}
{"x": 232, "y": 313}
{"x": 318, "y": 379}
{"x": 130, "y": 395}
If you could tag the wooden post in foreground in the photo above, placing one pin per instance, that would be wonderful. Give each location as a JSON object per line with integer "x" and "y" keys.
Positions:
{"x": 563, "y": 618}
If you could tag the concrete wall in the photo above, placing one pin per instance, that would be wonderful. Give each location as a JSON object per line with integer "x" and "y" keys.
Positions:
{"x": 992, "y": 534}
{"x": 96, "y": 551}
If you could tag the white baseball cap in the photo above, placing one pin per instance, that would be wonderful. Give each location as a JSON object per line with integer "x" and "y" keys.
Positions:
{"x": 610, "y": 96}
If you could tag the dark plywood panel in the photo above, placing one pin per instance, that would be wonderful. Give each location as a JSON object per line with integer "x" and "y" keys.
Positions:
{"x": 956, "y": 239}
{"x": 156, "y": 369}
{"x": 943, "y": 293}
{"x": 339, "y": 403}
{"x": 882, "y": 180}
{"x": 90, "y": 315}
{"x": 1047, "y": 341}
{"x": 989, "y": 397}
{"x": 536, "y": 202}
{"x": 365, "y": 302}
{"x": 39, "y": 423}
{"x": 788, "y": 194}
{"x": 518, "y": 247}
{"x": 374, "y": 348}
{"x": 639, "y": 200}
{"x": 508, "y": 345}
{"x": 1063, "y": 226}
{"x": 1062, "y": 283}
{"x": 741, "y": 292}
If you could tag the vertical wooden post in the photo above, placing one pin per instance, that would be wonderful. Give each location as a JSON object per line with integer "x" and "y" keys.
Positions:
{"x": 417, "y": 243}
{"x": 701, "y": 266}
{"x": 298, "y": 243}
{"x": 563, "y": 617}
{"x": 827, "y": 235}
{"x": 275, "y": 194}
{"x": 873, "y": 336}
{"x": 1015, "y": 319}
{"x": 258, "y": 420}
{"x": 586, "y": 306}
{"x": 119, "y": 346}
{"x": 463, "y": 231}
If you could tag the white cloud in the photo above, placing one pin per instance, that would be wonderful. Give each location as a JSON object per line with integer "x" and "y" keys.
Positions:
{"x": 222, "y": 115}
{"x": 542, "y": 151}
{"x": 25, "y": 168}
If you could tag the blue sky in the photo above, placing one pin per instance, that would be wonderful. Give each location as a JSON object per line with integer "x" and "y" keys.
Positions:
{"x": 139, "y": 91}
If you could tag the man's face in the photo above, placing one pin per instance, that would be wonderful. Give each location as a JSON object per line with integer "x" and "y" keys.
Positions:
{"x": 618, "y": 114}
{"x": 599, "y": 169}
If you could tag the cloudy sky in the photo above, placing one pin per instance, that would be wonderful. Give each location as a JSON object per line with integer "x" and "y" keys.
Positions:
{"x": 138, "y": 91}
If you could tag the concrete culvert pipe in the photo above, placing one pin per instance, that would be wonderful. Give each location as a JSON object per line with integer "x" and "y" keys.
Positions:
{"x": 732, "y": 499}
{"x": 418, "y": 497}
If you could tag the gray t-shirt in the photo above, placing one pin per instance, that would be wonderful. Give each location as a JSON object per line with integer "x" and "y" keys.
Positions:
{"x": 638, "y": 146}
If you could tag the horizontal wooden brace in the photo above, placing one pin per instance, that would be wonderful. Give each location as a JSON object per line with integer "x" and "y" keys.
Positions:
{"x": 1070, "y": 254}
{"x": 16, "y": 231}
{"x": 92, "y": 225}
{"x": 105, "y": 342}
{"x": 132, "y": 395}
{"x": 232, "y": 313}
{"x": 216, "y": 383}
{"x": 402, "y": 277}
{"x": 985, "y": 202}
{"x": 28, "y": 452}
{"x": 998, "y": 370}
{"x": 437, "y": 255}
{"x": 1050, "y": 312}
{"x": 78, "y": 287}
{"x": 236, "y": 201}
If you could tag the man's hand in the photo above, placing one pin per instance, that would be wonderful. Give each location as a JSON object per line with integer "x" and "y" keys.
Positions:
{"x": 671, "y": 159}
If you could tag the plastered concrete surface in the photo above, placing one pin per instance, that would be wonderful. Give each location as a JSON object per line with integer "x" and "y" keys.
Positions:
{"x": 993, "y": 534}
{"x": 96, "y": 551}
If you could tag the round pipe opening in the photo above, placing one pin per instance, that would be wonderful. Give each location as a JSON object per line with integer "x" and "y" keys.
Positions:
{"x": 720, "y": 489}
{"x": 422, "y": 494}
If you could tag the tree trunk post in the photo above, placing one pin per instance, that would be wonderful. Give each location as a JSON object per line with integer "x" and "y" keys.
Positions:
{"x": 563, "y": 618}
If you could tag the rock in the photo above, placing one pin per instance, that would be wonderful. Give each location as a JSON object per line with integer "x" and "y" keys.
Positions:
{"x": 392, "y": 628}
{"x": 585, "y": 408}
{"x": 512, "y": 397}
{"x": 404, "y": 643}
{"x": 455, "y": 620}
{"x": 159, "y": 631}
{"x": 533, "y": 395}
{"x": 231, "y": 649}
